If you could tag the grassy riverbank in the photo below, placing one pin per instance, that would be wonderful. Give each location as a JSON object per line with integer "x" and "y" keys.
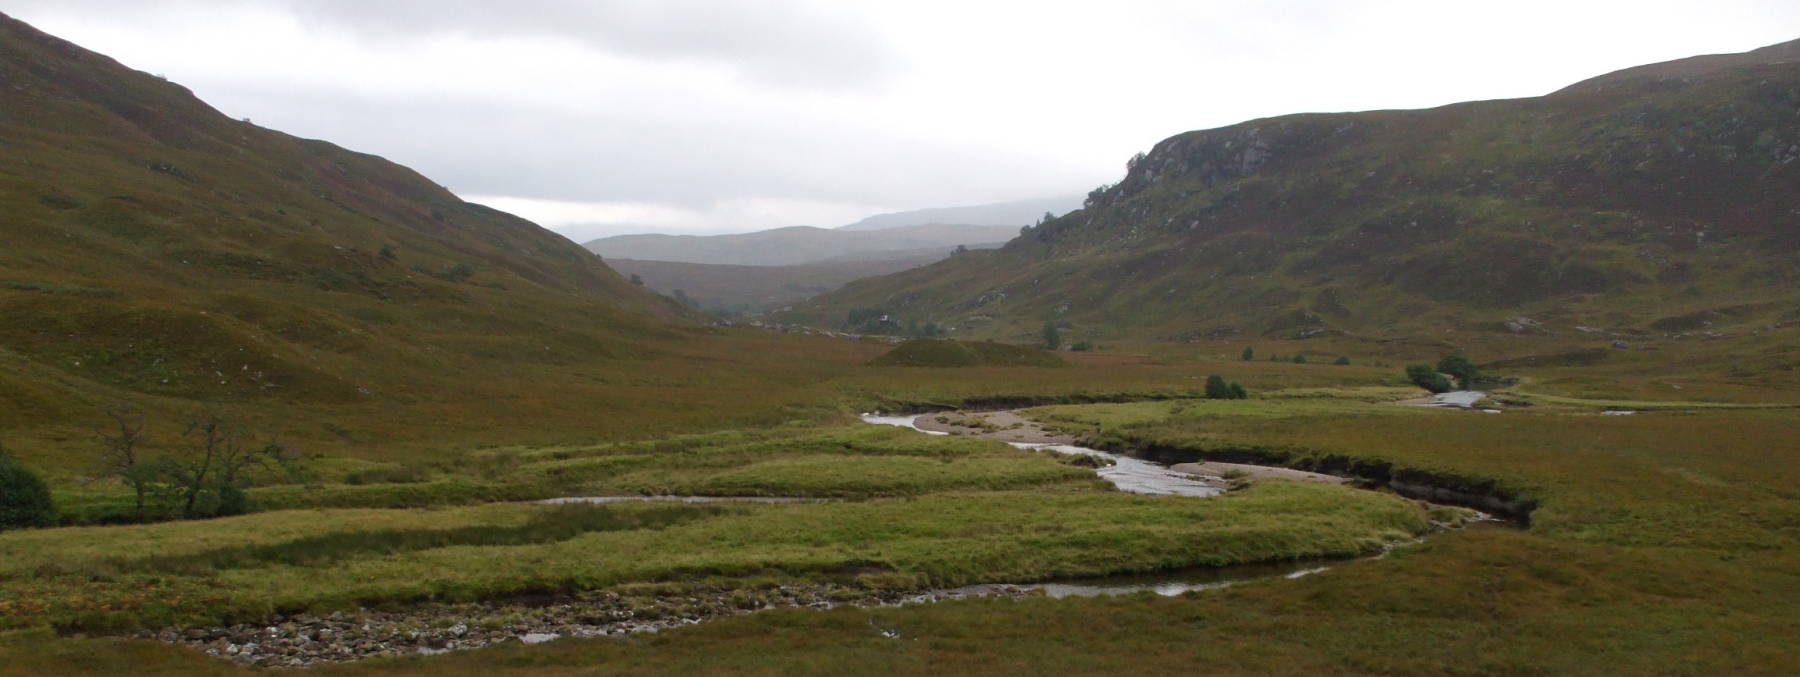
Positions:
{"x": 962, "y": 511}
{"x": 1662, "y": 542}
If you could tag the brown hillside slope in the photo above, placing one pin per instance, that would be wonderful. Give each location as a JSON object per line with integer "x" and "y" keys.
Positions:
{"x": 1694, "y": 66}
{"x": 1649, "y": 209}
{"x": 158, "y": 254}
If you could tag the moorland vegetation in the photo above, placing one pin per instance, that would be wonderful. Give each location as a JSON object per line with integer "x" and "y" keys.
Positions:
{"x": 437, "y": 369}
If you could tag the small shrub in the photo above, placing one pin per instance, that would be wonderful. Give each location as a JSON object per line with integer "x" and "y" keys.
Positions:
{"x": 387, "y": 252}
{"x": 64, "y": 289}
{"x": 1082, "y": 346}
{"x": 1299, "y": 359}
{"x": 1427, "y": 377}
{"x": 1341, "y": 361}
{"x": 396, "y": 475}
{"x": 56, "y": 200}
{"x": 24, "y": 499}
{"x": 1249, "y": 353}
{"x": 1218, "y": 389}
{"x": 1460, "y": 367}
{"x": 459, "y": 272}
{"x": 232, "y": 501}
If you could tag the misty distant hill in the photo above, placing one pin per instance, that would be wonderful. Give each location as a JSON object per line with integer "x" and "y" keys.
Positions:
{"x": 1015, "y": 214}
{"x": 751, "y": 289}
{"x": 803, "y": 244}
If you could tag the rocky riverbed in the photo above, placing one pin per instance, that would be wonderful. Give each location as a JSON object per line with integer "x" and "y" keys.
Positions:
{"x": 301, "y": 640}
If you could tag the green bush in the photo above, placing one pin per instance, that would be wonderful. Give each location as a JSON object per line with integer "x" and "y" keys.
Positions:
{"x": 1460, "y": 367}
{"x": 1249, "y": 353}
{"x": 1427, "y": 377}
{"x": 1218, "y": 389}
{"x": 1341, "y": 361}
{"x": 405, "y": 474}
{"x": 232, "y": 501}
{"x": 24, "y": 499}
{"x": 55, "y": 200}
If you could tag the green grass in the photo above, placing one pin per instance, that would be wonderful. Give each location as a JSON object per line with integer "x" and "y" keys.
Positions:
{"x": 550, "y": 525}
{"x": 850, "y": 461}
{"x": 238, "y": 568}
{"x": 944, "y": 353}
{"x": 1663, "y": 543}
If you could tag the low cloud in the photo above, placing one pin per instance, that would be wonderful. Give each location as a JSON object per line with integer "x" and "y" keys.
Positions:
{"x": 711, "y": 115}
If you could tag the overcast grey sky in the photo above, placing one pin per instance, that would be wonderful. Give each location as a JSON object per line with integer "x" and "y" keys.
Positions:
{"x": 598, "y": 117}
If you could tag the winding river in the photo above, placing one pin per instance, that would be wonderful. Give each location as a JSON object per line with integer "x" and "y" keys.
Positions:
{"x": 305, "y": 640}
{"x": 1134, "y": 475}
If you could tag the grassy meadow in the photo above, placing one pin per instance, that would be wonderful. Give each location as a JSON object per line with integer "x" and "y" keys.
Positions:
{"x": 1661, "y": 542}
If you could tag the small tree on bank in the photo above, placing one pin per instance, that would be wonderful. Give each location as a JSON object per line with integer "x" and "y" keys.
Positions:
{"x": 24, "y": 499}
{"x": 1216, "y": 389}
{"x": 1460, "y": 367}
{"x": 1427, "y": 377}
{"x": 1249, "y": 354}
{"x": 210, "y": 478}
{"x": 119, "y": 457}
{"x": 1052, "y": 337}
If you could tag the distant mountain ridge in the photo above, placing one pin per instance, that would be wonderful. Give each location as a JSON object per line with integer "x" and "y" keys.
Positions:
{"x": 1017, "y": 213}
{"x": 801, "y": 244}
{"x": 753, "y": 289}
{"x": 1651, "y": 201}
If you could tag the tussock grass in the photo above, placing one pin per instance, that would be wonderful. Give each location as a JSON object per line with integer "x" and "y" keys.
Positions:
{"x": 241, "y": 567}
{"x": 547, "y": 525}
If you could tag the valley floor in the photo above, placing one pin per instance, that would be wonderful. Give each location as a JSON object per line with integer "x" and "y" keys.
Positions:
{"x": 1662, "y": 542}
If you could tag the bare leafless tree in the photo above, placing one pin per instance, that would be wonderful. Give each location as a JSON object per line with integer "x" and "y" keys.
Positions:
{"x": 219, "y": 454}
{"x": 119, "y": 457}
